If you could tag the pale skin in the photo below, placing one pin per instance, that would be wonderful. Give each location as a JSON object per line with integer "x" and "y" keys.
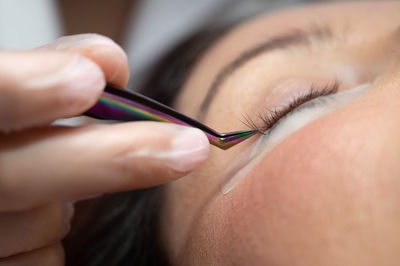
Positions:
{"x": 328, "y": 194}
{"x": 44, "y": 168}
{"x": 341, "y": 209}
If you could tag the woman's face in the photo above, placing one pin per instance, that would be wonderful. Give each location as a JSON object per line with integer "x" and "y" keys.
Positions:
{"x": 327, "y": 193}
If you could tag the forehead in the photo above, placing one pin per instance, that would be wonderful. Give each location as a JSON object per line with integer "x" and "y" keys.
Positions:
{"x": 341, "y": 18}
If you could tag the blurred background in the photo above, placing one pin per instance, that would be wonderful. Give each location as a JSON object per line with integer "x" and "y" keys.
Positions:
{"x": 146, "y": 29}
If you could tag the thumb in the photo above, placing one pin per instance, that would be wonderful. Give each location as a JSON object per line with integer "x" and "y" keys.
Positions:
{"x": 75, "y": 163}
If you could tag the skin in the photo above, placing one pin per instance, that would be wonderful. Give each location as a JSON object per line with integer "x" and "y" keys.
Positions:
{"x": 328, "y": 194}
{"x": 43, "y": 168}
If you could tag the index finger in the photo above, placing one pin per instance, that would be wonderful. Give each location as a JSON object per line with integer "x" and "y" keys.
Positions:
{"x": 108, "y": 55}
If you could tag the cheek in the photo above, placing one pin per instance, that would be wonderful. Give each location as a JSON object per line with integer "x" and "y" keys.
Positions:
{"x": 330, "y": 188}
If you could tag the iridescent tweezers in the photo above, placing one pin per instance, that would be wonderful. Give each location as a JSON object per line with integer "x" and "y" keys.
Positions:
{"x": 123, "y": 105}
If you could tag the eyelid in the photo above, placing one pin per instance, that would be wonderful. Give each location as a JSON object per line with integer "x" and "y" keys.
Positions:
{"x": 270, "y": 117}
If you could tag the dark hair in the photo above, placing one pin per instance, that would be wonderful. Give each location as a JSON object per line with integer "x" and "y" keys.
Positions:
{"x": 123, "y": 229}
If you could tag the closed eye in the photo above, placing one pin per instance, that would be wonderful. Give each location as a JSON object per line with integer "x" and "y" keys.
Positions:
{"x": 268, "y": 119}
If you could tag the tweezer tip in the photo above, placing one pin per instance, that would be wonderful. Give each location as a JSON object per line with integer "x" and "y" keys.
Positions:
{"x": 249, "y": 133}
{"x": 239, "y": 134}
{"x": 228, "y": 140}
{"x": 253, "y": 132}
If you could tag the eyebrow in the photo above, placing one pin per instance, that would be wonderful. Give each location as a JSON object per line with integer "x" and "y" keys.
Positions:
{"x": 293, "y": 38}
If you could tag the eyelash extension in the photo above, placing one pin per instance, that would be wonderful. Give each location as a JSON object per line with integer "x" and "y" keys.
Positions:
{"x": 271, "y": 117}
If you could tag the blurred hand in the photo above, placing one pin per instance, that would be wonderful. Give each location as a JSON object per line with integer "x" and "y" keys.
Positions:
{"x": 44, "y": 167}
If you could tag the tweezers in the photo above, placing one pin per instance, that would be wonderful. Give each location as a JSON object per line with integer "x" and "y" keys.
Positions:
{"x": 123, "y": 105}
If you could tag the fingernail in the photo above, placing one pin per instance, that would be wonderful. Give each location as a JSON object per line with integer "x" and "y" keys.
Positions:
{"x": 81, "y": 40}
{"x": 85, "y": 79}
{"x": 77, "y": 80}
{"x": 89, "y": 197}
{"x": 176, "y": 147}
{"x": 96, "y": 46}
{"x": 190, "y": 148}
{"x": 69, "y": 211}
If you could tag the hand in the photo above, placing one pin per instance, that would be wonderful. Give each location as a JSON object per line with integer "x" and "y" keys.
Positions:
{"x": 44, "y": 167}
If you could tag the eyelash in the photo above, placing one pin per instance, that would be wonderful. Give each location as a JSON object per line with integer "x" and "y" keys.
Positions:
{"x": 271, "y": 117}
